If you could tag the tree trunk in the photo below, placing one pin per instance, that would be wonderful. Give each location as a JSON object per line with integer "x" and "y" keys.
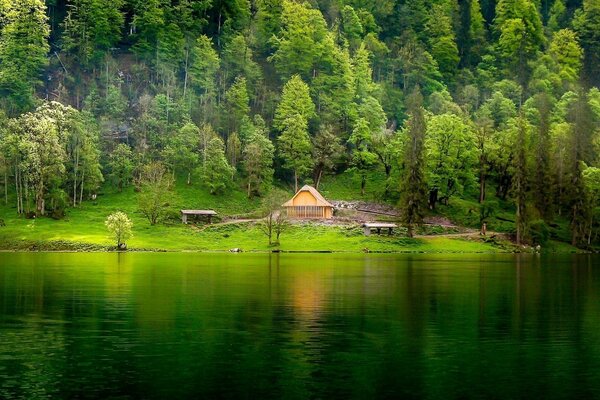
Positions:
{"x": 6, "y": 186}
{"x": 186, "y": 71}
{"x": 319, "y": 176}
{"x": 363, "y": 184}
{"x": 433, "y": 198}
{"x": 481, "y": 185}
{"x": 81, "y": 188}
{"x": 296, "y": 181}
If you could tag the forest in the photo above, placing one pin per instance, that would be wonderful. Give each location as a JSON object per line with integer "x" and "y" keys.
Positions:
{"x": 497, "y": 101}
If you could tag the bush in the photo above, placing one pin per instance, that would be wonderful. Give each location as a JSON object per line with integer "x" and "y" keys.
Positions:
{"x": 2, "y": 223}
{"x": 539, "y": 232}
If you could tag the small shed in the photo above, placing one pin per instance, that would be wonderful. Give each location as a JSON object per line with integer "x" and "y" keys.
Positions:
{"x": 208, "y": 214}
{"x": 308, "y": 203}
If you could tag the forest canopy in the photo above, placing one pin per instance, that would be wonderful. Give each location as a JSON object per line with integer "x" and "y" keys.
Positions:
{"x": 446, "y": 98}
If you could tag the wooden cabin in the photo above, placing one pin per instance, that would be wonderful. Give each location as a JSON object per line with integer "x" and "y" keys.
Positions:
{"x": 308, "y": 203}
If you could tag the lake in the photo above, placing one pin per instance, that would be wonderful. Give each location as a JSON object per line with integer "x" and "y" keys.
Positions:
{"x": 299, "y": 326}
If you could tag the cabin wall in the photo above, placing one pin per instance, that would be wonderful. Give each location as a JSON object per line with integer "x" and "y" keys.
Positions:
{"x": 316, "y": 212}
{"x": 305, "y": 199}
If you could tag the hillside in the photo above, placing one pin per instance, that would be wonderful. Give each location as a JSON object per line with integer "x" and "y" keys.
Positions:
{"x": 477, "y": 112}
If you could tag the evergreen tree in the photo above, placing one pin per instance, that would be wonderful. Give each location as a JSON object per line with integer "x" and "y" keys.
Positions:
{"x": 521, "y": 35}
{"x": 216, "y": 172}
{"x": 91, "y": 28}
{"x": 24, "y": 34}
{"x": 581, "y": 153}
{"x": 237, "y": 104}
{"x": 295, "y": 148}
{"x": 327, "y": 151}
{"x": 414, "y": 187}
{"x": 543, "y": 185}
{"x": 520, "y": 180}
{"x": 587, "y": 26}
{"x": 295, "y": 100}
{"x": 258, "y": 163}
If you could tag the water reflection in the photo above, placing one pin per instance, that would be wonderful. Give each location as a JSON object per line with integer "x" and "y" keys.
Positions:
{"x": 298, "y": 326}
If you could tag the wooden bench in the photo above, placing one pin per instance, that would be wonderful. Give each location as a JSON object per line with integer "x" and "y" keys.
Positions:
{"x": 198, "y": 213}
{"x": 368, "y": 227}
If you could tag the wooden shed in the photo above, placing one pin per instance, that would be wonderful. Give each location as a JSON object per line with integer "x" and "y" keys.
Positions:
{"x": 308, "y": 203}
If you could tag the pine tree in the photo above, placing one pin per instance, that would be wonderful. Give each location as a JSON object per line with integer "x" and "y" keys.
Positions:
{"x": 91, "y": 28}
{"x": 24, "y": 34}
{"x": 413, "y": 201}
{"x": 294, "y": 147}
{"x": 295, "y": 99}
{"x": 587, "y": 26}
{"x": 581, "y": 153}
{"x": 543, "y": 184}
{"x": 520, "y": 179}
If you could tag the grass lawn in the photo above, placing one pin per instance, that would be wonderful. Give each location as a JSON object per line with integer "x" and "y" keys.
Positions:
{"x": 83, "y": 228}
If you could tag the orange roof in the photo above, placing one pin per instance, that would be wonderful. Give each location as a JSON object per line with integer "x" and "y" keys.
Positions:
{"x": 307, "y": 188}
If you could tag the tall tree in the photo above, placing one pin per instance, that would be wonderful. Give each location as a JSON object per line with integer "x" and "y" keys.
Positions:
{"x": 581, "y": 153}
{"x": 258, "y": 163}
{"x": 587, "y": 26}
{"x": 327, "y": 151}
{"x": 216, "y": 172}
{"x": 413, "y": 201}
{"x": 295, "y": 148}
{"x": 23, "y": 48}
{"x": 295, "y": 100}
{"x": 521, "y": 34}
{"x": 543, "y": 180}
{"x": 520, "y": 179}
{"x": 91, "y": 28}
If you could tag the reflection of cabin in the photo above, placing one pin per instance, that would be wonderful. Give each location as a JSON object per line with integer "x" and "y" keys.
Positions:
{"x": 309, "y": 203}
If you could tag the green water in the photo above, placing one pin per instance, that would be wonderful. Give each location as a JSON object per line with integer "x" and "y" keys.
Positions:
{"x": 298, "y": 326}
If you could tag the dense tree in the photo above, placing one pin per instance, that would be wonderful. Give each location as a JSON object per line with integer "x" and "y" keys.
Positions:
{"x": 121, "y": 166}
{"x": 414, "y": 187}
{"x": 91, "y": 28}
{"x": 587, "y": 25}
{"x": 301, "y": 44}
{"x": 295, "y": 100}
{"x": 327, "y": 151}
{"x": 258, "y": 163}
{"x": 216, "y": 172}
{"x": 520, "y": 31}
{"x": 155, "y": 184}
{"x": 24, "y": 33}
{"x": 294, "y": 147}
{"x": 181, "y": 153}
{"x": 451, "y": 157}
{"x": 363, "y": 159}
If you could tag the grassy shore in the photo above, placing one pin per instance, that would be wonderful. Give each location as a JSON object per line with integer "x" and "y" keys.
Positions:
{"x": 83, "y": 229}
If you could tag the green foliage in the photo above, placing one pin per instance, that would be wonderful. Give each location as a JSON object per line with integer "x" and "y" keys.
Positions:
{"x": 294, "y": 147}
{"x": 24, "y": 33}
{"x": 451, "y": 157}
{"x": 119, "y": 225}
{"x": 155, "y": 184}
{"x": 295, "y": 100}
{"x": 216, "y": 172}
{"x": 414, "y": 187}
{"x": 91, "y": 28}
{"x": 121, "y": 166}
{"x": 258, "y": 163}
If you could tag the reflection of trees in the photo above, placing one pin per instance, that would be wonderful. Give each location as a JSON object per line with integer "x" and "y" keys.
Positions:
{"x": 303, "y": 326}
